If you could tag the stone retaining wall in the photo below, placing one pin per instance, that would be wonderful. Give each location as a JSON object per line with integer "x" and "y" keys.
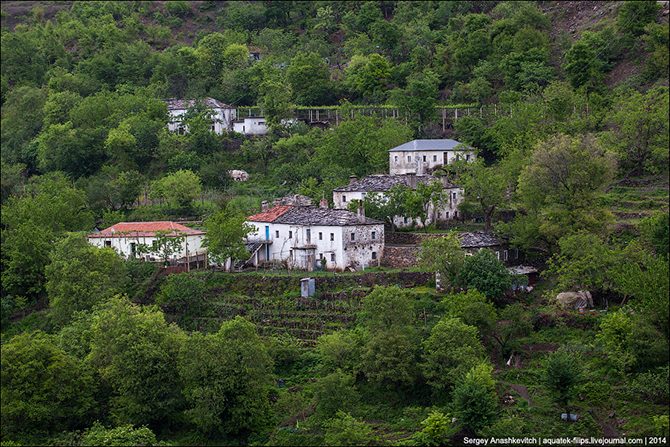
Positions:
{"x": 400, "y": 256}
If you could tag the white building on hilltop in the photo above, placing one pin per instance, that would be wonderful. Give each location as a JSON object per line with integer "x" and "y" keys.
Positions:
{"x": 223, "y": 115}
{"x": 307, "y": 237}
{"x": 420, "y": 156}
{"x": 129, "y": 238}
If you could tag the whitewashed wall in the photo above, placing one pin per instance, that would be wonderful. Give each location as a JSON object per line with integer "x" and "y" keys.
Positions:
{"x": 122, "y": 245}
{"x": 419, "y": 162}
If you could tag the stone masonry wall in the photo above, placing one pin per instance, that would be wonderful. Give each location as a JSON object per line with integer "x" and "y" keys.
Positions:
{"x": 400, "y": 256}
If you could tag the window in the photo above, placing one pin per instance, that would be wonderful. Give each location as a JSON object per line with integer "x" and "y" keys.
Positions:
{"x": 261, "y": 123}
{"x": 320, "y": 236}
{"x": 290, "y": 253}
{"x": 290, "y": 234}
{"x": 434, "y": 157}
{"x": 453, "y": 195}
{"x": 320, "y": 255}
{"x": 405, "y": 219}
{"x": 344, "y": 198}
{"x": 353, "y": 236}
{"x": 395, "y": 159}
{"x": 374, "y": 235}
{"x": 181, "y": 130}
{"x": 332, "y": 257}
{"x": 446, "y": 214}
{"x": 277, "y": 233}
{"x": 212, "y": 128}
{"x": 424, "y": 158}
{"x": 409, "y": 158}
{"x": 108, "y": 243}
{"x": 133, "y": 248}
{"x": 374, "y": 255}
{"x": 332, "y": 236}
{"x": 505, "y": 255}
{"x": 498, "y": 255}
{"x": 467, "y": 157}
{"x": 308, "y": 235}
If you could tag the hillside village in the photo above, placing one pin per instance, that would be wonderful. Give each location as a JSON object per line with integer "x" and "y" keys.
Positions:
{"x": 334, "y": 223}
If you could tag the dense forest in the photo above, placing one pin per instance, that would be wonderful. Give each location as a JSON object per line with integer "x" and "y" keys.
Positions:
{"x": 573, "y": 172}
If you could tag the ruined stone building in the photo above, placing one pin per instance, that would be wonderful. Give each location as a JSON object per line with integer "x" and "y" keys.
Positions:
{"x": 311, "y": 237}
{"x": 222, "y": 114}
{"x": 381, "y": 184}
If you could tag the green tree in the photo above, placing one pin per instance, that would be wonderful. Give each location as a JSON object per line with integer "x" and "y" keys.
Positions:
{"x": 486, "y": 273}
{"x": 44, "y": 390}
{"x": 226, "y": 232}
{"x": 560, "y": 188}
{"x": 451, "y": 350}
{"x": 633, "y": 16}
{"x": 444, "y": 256}
{"x": 183, "y": 295}
{"x": 309, "y": 77}
{"x": 472, "y": 308}
{"x": 275, "y": 101}
{"x": 226, "y": 378}
{"x": 122, "y": 435}
{"x": 485, "y": 190}
{"x": 640, "y": 131}
{"x": 475, "y": 399}
{"x": 582, "y": 66}
{"x": 562, "y": 374}
{"x": 437, "y": 430}
{"x": 514, "y": 323}
{"x": 32, "y": 223}
{"x": 21, "y": 121}
{"x": 347, "y": 430}
{"x": 367, "y": 77}
{"x": 335, "y": 392}
{"x": 135, "y": 352}
{"x": 417, "y": 101}
{"x": 79, "y": 276}
{"x": 178, "y": 189}
{"x": 165, "y": 244}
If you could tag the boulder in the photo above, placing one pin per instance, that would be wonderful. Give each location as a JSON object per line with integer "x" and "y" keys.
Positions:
{"x": 574, "y": 300}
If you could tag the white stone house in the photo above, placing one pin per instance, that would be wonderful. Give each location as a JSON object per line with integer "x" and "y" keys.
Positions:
{"x": 223, "y": 115}
{"x": 358, "y": 189}
{"x": 420, "y": 156}
{"x": 127, "y": 237}
{"x": 253, "y": 125}
{"x": 306, "y": 237}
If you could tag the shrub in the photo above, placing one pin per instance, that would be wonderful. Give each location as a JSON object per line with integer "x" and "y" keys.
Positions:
{"x": 118, "y": 436}
{"x": 347, "y": 430}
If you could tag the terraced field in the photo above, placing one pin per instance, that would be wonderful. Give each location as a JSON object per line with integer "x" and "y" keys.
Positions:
{"x": 636, "y": 199}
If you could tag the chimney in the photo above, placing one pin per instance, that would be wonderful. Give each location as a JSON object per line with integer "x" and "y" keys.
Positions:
{"x": 323, "y": 203}
{"x": 361, "y": 212}
{"x": 264, "y": 205}
{"x": 352, "y": 179}
{"x": 411, "y": 180}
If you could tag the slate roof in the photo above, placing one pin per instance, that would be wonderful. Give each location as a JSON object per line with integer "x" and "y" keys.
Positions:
{"x": 145, "y": 229}
{"x": 184, "y": 104}
{"x": 430, "y": 145}
{"x": 479, "y": 239}
{"x": 384, "y": 182}
{"x": 311, "y": 215}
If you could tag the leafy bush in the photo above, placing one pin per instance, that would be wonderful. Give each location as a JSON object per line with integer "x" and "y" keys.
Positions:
{"x": 124, "y": 435}
{"x": 344, "y": 429}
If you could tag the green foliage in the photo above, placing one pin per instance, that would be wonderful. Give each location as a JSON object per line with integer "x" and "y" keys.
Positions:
{"x": 309, "y": 78}
{"x": 366, "y": 77}
{"x": 475, "y": 399}
{"x": 124, "y": 435}
{"x": 80, "y": 276}
{"x": 562, "y": 374}
{"x": 32, "y": 222}
{"x": 484, "y": 272}
{"x": 44, "y": 390}
{"x": 640, "y": 131}
{"x": 485, "y": 189}
{"x": 445, "y": 256}
{"x": 437, "y": 430}
{"x": 633, "y": 16}
{"x": 226, "y": 232}
{"x": 347, "y": 430}
{"x": 183, "y": 295}
{"x": 135, "y": 352}
{"x": 631, "y": 343}
{"x": 226, "y": 378}
{"x": 335, "y": 392}
{"x": 656, "y": 233}
{"x": 178, "y": 189}
{"x": 451, "y": 350}
{"x": 472, "y": 308}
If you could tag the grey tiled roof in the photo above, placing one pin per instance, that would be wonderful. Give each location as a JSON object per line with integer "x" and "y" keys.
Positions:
{"x": 183, "y": 104}
{"x": 384, "y": 182}
{"x": 312, "y": 215}
{"x": 478, "y": 239}
{"x": 430, "y": 145}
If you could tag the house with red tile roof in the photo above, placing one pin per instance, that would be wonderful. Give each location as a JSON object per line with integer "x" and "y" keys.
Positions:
{"x": 139, "y": 239}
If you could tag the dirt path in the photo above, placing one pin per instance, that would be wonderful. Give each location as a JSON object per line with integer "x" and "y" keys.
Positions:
{"x": 608, "y": 427}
